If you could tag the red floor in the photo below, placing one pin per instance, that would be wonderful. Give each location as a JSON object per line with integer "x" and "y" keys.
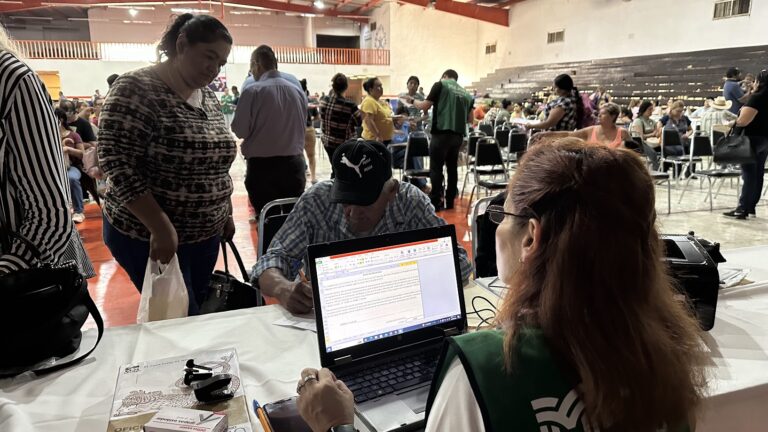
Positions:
{"x": 118, "y": 299}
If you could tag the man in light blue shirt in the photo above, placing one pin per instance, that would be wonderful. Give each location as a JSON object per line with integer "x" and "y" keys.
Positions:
{"x": 270, "y": 118}
{"x": 732, "y": 90}
{"x": 362, "y": 200}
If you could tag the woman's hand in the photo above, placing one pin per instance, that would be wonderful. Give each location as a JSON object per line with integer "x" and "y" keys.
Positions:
{"x": 163, "y": 243}
{"x": 324, "y": 401}
{"x": 228, "y": 233}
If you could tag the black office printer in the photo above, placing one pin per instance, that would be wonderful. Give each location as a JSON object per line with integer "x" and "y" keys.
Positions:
{"x": 695, "y": 271}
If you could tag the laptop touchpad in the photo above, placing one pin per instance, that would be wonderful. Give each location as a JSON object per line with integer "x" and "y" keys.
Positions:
{"x": 394, "y": 411}
{"x": 416, "y": 399}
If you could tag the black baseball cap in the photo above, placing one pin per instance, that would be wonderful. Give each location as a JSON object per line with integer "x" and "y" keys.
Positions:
{"x": 732, "y": 72}
{"x": 361, "y": 168}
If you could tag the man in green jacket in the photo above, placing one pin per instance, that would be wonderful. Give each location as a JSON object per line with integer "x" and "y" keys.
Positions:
{"x": 451, "y": 111}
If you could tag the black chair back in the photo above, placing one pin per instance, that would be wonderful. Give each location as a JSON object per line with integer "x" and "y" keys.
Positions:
{"x": 417, "y": 146}
{"x": 670, "y": 137}
{"x": 502, "y": 136}
{"x": 474, "y": 137}
{"x": 272, "y": 217}
{"x": 717, "y": 136}
{"x": 518, "y": 142}
{"x": 486, "y": 128}
{"x": 701, "y": 146}
{"x": 488, "y": 153}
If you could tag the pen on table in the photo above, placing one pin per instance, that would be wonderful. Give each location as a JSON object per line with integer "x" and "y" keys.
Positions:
{"x": 262, "y": 416}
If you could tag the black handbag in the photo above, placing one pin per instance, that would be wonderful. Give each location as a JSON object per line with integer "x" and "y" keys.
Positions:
{"x": 227, "y": 292}
{"x": 43, "y": 309}
{"x": 734, "y": 148}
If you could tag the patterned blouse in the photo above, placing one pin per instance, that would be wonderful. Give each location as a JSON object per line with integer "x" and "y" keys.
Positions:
{"x": 151, "y": 140}
{"x": 568, "y": 122}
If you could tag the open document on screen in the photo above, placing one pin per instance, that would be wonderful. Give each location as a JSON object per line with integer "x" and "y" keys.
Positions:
{"x": 382, "y": 292}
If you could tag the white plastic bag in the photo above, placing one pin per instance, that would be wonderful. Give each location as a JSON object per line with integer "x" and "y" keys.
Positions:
{"x": 163, "y": 294}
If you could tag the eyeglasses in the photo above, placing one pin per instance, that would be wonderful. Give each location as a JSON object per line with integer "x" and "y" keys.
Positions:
{"x": 497, "y": 214}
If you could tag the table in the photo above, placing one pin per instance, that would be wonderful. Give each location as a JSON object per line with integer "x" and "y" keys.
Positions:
{"x": 271, "y": 357}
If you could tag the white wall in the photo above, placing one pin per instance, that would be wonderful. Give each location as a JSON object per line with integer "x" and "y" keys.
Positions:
{"x": 82, "y": 77}
{"x": 250, "y": 29}
{"x": 426, "y": 42}
{"x": 614, "y": 28}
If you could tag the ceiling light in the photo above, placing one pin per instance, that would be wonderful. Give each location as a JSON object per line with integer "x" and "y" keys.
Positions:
{"x": 190, "y": 10}
{"x": 319, "y": 4}
{"x": 133, "y": 12}
{"x": 133, "y": 7}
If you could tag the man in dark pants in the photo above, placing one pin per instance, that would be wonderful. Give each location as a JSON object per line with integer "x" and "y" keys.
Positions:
{"x": 452, "y": 110}
{"x": 270, "y": 117}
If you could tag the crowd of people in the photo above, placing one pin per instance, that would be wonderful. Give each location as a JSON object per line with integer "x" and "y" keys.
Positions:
{"x": 166, "y": 142}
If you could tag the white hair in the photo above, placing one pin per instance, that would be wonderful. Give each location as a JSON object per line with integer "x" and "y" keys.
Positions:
{"x": 6, "y": 44}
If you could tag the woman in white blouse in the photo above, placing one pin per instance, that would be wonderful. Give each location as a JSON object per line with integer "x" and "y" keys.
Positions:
{"x": 590, "y": 335}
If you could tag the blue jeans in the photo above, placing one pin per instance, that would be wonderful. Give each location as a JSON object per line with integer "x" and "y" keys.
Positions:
{"x": 398, "y": 156}
{"x": 75, "y": 189}
{"x": 196, "y": 260}
{"x": 753, "y": 174}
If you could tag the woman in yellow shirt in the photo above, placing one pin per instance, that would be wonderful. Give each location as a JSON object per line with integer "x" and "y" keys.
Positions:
{"x": 377, "y": 115}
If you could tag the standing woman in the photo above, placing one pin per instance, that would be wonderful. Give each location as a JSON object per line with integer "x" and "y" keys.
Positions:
{"x": 339, "y": 116}
{"x": 753, "y": 117}
{"x": 377, "y": 115}
{"x": 167, "y": 150}
{"x": 35, "y": 200}
{"x": 566, "y": 111}
{"x": 310, "y": 138}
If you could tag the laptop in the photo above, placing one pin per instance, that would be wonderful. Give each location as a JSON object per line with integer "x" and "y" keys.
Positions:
{"x": 384, "y": 305}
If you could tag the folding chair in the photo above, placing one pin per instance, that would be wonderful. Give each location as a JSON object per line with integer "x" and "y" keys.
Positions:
{"x": 518, "y": 144}
{"x": 477, "y": 211}
{"x": 486, "y": 128}
{"x": 417, "y": 146}
{"x": 652, "y": 161}
{"x": 271, "y": 218}
{"x": 489, "y": 164}
{"x": 701, "y": 146}
{"x": 469, "y": 156}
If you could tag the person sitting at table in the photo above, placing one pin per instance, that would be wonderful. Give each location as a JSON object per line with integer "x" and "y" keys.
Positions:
{"x": 568, "y": 329}
{"x": 605, "y": 133}
{"x": 675, "y": 120}
{"x": 643, "y": 126}
{"x": 504, "y": 113}
{"x": 362, "y": 200}
{"x": 718, "y": 116}
{"x": 566, "y": 111}
{"x": 517, "y": 112}
{"x": 704, "y": 109}
{"x": 625, "y": 118}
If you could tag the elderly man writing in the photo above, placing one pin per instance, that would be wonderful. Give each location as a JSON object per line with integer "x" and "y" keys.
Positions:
{"x": 363, "y": 200}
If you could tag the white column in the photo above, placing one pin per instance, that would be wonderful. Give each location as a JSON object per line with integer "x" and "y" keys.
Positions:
{"x": 309, "y": 33}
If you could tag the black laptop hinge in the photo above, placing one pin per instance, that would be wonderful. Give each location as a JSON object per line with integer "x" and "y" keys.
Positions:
{"x": 342, "y": 360}
{"x": 453, "y": 331}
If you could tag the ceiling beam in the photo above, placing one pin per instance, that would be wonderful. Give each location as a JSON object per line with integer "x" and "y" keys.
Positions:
{"x": 370, "y": 5}
{"x": 507, "y": 3}
{"x": 481, "y": 13}
{"x": 340, "y": 4}
{"x": 265, "y": 4}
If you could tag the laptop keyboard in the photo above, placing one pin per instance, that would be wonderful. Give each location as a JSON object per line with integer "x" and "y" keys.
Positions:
{"x": 390, "y": 376}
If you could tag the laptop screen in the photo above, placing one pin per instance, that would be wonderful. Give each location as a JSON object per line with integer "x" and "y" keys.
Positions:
{"x": 376, "y": 293}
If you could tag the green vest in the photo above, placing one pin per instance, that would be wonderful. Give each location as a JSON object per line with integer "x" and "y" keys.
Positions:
{"x": 453, "y": 107}
{"x": 535, "y": 397}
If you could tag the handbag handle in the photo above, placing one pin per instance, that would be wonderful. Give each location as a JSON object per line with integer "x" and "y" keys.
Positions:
{"x": 238, "y": 259}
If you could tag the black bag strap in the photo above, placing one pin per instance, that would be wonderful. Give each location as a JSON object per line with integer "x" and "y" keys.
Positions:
{"x": 238, "y": 259}
{"x": 88, "y": 301}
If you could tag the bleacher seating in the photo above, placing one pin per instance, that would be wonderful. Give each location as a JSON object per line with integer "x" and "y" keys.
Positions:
{"x": 689, "y": 76}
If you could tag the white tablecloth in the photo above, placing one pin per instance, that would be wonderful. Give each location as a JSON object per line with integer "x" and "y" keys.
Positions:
{"x": 271, "y": 357}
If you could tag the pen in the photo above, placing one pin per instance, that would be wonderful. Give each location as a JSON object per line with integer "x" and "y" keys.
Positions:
{"x": 262, "y": 416}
